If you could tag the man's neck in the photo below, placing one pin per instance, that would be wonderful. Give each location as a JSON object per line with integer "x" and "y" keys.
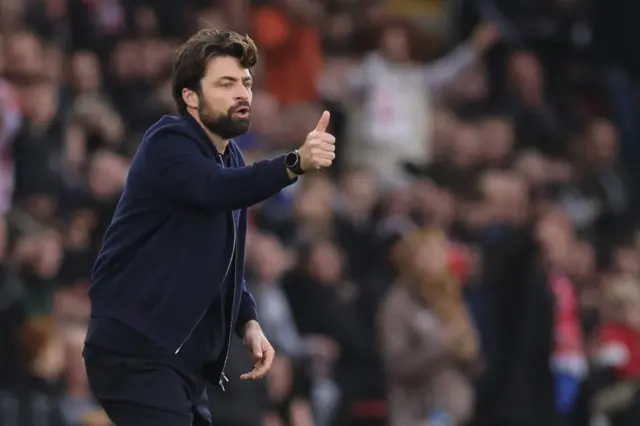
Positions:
{"x": 218, "y": 142}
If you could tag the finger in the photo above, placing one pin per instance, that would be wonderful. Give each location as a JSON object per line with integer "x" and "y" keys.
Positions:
{"x": 326, "y": 137}
{"x": 257, "y": 373}
{"x": 324, "y": 162}
{"x": 323, "y": 123}
{"x": 321, "y": 149}
{"x": 263, "y": 367}
{"x": 316, "y": 136}
{"x": 320, "y": 162}
{"x": 328, "y": 147}
{"x": 257, "y": 353}
{"x": 322, "y": 159}
{"x": 253, "y": 373}
{"x": 325, "y": 155}
{"x": 269, "y": 355}
{"x": 249, "y": 376}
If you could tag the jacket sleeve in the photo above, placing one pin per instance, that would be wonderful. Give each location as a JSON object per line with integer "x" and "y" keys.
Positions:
{"x": 248, "y": 309}
{"x": 176, "y": 168}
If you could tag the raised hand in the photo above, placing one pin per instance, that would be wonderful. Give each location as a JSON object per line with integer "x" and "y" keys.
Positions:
{"x": 319, "y": 148}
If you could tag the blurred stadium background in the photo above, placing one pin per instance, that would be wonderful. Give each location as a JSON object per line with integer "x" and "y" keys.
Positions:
{"x": 472, "y": 259}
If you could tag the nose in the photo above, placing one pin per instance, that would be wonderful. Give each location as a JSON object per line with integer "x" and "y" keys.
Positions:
{"x": 242, "y": 93}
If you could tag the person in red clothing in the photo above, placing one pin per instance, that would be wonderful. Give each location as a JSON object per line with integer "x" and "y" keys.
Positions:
{"x": 291, "y": 45}
{"x": 618, "y": 346}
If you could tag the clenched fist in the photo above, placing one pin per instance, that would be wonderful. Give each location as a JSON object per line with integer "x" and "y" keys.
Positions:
{"x": 319, "y": 149}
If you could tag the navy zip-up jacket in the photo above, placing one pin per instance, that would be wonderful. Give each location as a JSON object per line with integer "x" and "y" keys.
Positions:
{"x": 168, "y": 248}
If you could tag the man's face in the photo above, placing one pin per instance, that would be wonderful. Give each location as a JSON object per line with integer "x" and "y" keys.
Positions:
{"x": 225, "y": 98}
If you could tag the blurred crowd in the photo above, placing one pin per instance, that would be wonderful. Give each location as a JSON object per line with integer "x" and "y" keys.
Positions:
{"x": 472, "y": 259}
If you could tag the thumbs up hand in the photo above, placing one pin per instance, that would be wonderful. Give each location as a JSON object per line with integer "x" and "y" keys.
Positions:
{"x": 319, "y": 148}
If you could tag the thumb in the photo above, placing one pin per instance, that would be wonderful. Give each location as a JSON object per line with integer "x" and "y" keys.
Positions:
{"x": 257, "y": 352}
{"x": 323, "y": 123}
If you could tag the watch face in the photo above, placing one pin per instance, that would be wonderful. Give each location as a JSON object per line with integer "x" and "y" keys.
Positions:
{"x": 291, "y": 160}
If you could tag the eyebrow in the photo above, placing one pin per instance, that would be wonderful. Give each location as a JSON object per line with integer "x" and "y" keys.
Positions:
{"x": 246, "y": 79}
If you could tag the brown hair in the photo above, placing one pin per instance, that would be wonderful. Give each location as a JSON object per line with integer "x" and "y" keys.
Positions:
{"x": 35, "y": 336}
{"x": 403, "y": 252}
{"x": 193, "y": 56}
{"x": 443, "y": 295}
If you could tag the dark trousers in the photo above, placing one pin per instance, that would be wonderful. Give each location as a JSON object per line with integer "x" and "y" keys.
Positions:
{"x": 145, "y": 391}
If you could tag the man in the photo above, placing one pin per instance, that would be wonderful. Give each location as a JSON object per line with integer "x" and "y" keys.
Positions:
{"x": 167, "y": 289}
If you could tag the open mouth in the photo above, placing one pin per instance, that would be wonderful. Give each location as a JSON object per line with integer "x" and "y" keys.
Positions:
{"x": 243, "y": 111}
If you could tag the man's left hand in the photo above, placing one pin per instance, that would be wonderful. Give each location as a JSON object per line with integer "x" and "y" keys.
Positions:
{"x": 260, "y": 351}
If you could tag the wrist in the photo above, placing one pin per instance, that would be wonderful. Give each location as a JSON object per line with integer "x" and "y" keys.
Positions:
{"x": 293, "y": 163}
{"x": 292, "y": 175}
{"x": 251, "y": 324}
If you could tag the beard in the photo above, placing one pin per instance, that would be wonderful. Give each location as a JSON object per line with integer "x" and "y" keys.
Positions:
{"x": 225, "y": 125}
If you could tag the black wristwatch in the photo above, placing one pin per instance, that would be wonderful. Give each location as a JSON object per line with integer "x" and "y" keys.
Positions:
{"x": 292, "y": 162}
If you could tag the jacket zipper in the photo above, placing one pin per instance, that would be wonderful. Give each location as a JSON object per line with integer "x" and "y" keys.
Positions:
{"x": 223, "y": 376}
{"x": 224, "y": 278}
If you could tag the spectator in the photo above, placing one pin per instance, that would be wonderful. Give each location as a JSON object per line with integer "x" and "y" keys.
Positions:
{"x": 617, "y": 353}
{"x": 34, "y": 395}
{"x": 397, "y": 99}
{"x": 429, "y": 344}
{"x": 289, "y": 38}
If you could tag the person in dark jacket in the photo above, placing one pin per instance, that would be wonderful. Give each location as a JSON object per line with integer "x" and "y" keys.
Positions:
{"x": 167, "y": 290}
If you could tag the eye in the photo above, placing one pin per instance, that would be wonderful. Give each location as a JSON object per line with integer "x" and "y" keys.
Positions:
{"x": 227, "y": 85}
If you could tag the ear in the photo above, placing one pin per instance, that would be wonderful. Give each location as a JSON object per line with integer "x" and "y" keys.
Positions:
{"x": 190, "y": 98}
